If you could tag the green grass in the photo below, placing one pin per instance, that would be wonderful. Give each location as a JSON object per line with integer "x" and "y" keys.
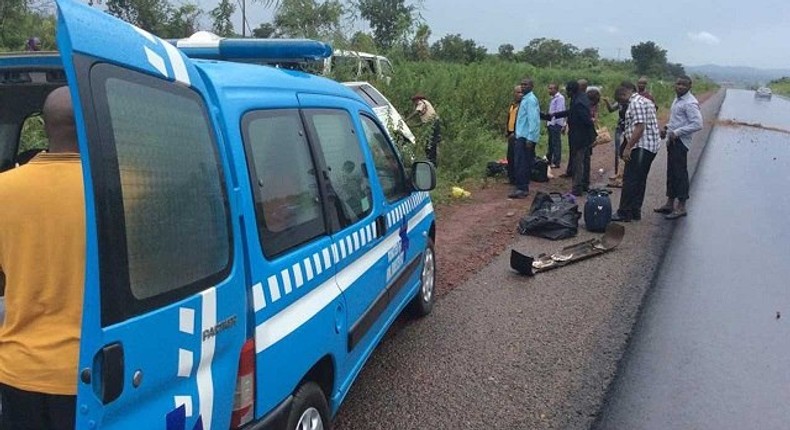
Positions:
{"x": 781, "y": 86}
{"x": 472, "y": 101}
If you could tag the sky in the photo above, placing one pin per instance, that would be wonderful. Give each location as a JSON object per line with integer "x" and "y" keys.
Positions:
{"x": 752, "y": 33}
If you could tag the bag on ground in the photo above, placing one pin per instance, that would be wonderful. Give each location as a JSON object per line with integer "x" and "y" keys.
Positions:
{"x": 540, "y": 171}
{"x": 551, "y": 216}
{"x": 603, "y": 136}
{"x": 597, "y": 210}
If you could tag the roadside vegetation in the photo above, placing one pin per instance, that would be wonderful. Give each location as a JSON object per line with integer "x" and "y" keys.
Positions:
{"x": 470, "y": 87}
{"x": 781, "y": 86}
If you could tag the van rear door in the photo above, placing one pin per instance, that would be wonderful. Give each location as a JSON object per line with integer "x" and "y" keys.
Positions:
{"x": 165, "y": 302}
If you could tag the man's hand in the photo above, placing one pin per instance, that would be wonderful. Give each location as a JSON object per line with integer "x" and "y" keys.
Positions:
{"x": 671, "y": 135}
{"x": 564, "y": 128}
{"x": 627, "y": 153}
{"x": 663, "y": 133}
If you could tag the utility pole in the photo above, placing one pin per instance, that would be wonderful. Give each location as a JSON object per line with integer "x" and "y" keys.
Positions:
{"x": 243, "y": 18}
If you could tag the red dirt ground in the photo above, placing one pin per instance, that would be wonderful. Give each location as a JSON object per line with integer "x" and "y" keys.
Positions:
{"x": 471, "y": 232}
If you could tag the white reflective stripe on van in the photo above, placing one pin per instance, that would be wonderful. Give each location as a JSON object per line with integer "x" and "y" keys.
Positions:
{"x": 295, "y": 315}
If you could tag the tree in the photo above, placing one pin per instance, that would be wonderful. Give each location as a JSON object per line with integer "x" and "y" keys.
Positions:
{"x": 150, "y": 15}
{"x": 183, "y": 22}
{"x": 649, "y": 58}
{"x": 22, "y": 19}
{"x": 391, "y": 20}
{"x": 455, "y": 49}
{"x": 543, "y": 52}
{"x": 362, "y": 41}
{"x": 265, "y": 31}
{"x": 221, "y": 18}
{"x": 308, "y": 18}
{"x": 675, "y": 70}
{"x": 506, "y": 52}
{"x": 420, "y": 48}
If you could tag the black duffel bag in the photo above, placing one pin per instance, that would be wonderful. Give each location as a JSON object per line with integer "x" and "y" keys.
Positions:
{"x": 540, "y": 171}
{"x": 552, "y": 217}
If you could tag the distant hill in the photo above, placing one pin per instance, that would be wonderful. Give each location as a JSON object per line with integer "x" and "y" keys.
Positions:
{"x": 738, "y": 74}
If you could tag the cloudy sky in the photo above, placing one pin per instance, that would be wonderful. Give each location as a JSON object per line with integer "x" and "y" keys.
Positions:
{"x": 694, "y": 32}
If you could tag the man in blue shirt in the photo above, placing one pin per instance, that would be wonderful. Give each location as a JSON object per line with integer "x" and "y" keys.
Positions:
{"x": 527, "y": 136}
{"x": 685, "y": 119}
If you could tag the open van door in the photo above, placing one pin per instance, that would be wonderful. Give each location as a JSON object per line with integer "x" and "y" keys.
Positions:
{"x": 164, "y": 316}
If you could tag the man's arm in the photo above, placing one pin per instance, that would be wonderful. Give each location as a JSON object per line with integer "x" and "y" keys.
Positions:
{"x": 611, "y": 107}
{"x": 636, "y": 136}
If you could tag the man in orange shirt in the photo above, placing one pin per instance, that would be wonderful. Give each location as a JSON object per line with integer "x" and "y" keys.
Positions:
{"x": 510, "y": 133}
{"x": 42, "y": 255}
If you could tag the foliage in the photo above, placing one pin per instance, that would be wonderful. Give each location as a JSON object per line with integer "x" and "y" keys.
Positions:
{"x": 420, "y": 48}
{"x": 265, "y": 31}
{"x": 22, "y": 19}
{"x": 472, "y": 100}
{"x": 506, "y": 52}
{"x": 159, "y": 17}
{"x": 781, "y": 86}
{"x": 454, "y": 48}
{"x": 649, "y": 58}
{"x": 543, "y": 52}
{"x": 364, "y": 42}
{"x": 308, "y": 18}
{"x": 391, "y": 20}
{"x": 221, "y": 19}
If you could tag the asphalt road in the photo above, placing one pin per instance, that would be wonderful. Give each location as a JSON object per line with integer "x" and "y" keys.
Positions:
{"x": 508, "y": 352}
{"x": 711, "y": 348}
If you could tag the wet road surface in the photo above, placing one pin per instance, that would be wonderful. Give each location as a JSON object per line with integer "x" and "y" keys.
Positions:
{"x": 503, "y": 351}
{"x": 711, "y": 349}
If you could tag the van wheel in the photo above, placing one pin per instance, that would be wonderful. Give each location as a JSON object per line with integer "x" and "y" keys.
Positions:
{"x": 422, "y": 304}
{"x": 309, "y": 410}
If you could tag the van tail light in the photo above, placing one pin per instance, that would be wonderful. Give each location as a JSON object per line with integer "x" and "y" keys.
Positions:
{"x": 244, "y": 399}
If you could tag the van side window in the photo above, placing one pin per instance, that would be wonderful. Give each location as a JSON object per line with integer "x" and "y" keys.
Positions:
{"x": 161, "y": 200}
{"x": 287, "y": 201}
{"x": 378, "y": 99}
{"x": 388, "y": 166}
{"x": 345, "y": 164}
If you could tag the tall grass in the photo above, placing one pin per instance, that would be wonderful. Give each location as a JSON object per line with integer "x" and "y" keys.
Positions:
{"x": 473, "y": 99}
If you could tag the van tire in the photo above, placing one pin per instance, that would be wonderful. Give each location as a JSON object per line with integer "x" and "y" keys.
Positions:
{"x": 422, "y": 304}
{"x": 309, "y": 403}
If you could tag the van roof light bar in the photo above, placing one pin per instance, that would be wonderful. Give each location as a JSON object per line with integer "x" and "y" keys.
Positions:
{"x": 206, "y": 45}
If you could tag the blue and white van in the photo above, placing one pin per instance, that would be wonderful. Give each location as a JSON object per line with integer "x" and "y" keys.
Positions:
{"x": 251, "y": 231}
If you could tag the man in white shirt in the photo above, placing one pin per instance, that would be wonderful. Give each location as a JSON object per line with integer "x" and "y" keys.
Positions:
{"x": 685, "y": 119}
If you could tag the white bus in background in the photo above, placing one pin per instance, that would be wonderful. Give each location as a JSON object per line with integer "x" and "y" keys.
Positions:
{"x": 360, "y": 64}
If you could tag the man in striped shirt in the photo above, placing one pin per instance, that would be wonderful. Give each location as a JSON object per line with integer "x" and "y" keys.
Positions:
{"x": 642, "y": 142}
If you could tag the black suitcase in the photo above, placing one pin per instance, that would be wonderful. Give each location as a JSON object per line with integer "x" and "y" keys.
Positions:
{"x": 597, "y": 210}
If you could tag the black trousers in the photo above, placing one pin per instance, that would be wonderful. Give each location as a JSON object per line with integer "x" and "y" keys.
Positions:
{"x": 511, "y": 158}
{"x": 581, "y": 169}
{"x": 432, "y": 147}
{"x": 635, "y": 181}
{"x": 677, "y": 170}
{"x": 524, "y": 153}
{"x": 554, "y": 151}
{"x": 25, "y": 410}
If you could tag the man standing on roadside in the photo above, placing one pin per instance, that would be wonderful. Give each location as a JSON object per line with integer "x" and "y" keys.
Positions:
{"x": 512, "y": 112}
{"x": 581, "y": 135}
{"x": 583, "y": 83}
{"x": 527, "y": 135}
{"x": 616, "y": 180}
{"x": 642, "y": 142}
{"x": 685, "y": 119}
{"x": 42, "y": 253}
{"x": 555, "y": 127}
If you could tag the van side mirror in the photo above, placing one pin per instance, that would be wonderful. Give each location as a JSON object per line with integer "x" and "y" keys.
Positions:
{"x": 423, "y": 176}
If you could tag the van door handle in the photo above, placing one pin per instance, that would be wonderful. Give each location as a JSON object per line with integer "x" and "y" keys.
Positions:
{"x": 381, "y": 226}
{"x": 108, "y": 366}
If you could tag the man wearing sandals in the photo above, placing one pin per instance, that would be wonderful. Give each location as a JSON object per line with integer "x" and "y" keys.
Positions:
{"x": 685, "y": 119}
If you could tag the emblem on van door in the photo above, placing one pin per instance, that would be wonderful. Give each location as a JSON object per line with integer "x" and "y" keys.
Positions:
{"x": 217, "y": 329}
